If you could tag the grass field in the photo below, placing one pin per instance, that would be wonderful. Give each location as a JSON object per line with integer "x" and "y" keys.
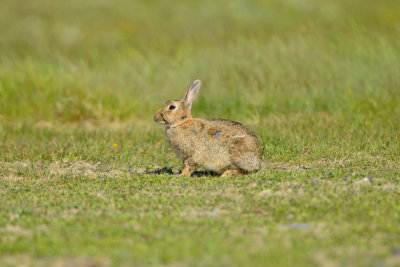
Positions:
{"x": 88, "y": 179}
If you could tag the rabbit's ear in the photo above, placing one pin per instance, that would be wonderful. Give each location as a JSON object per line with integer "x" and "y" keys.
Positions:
{"x": 191, "y": 93}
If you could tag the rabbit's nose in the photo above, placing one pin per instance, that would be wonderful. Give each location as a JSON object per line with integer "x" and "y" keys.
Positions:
{"x": 158, "y": 117}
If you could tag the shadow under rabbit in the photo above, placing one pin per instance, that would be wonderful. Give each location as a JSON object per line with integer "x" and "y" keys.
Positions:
{"x": 166, "y": 170}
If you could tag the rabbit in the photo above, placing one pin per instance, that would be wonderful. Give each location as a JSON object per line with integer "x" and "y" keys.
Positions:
{"x": 220, "y": 146}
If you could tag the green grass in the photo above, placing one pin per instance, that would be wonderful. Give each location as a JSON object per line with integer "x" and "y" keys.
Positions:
{"x": 318, "y": 81}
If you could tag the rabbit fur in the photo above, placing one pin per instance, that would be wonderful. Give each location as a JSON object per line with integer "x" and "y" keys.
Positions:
{"x": 220, "y": 146}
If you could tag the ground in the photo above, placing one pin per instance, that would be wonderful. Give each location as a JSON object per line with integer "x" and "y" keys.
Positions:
{"x": 88, "y": 179}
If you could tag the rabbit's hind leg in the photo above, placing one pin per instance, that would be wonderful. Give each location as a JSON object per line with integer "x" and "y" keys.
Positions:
{"x": 248, "y": 162}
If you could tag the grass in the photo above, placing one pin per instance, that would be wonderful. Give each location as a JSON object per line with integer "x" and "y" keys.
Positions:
{"x": 318, "y": 81}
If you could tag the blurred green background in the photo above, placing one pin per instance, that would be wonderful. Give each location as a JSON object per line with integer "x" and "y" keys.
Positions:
{"x": 107, "y": 60}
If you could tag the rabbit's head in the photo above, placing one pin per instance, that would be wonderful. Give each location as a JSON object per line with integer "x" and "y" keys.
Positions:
{"x": 176, "y": 112}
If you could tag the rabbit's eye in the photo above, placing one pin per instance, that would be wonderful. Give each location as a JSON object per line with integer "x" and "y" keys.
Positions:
{"x": 172, "y": 107}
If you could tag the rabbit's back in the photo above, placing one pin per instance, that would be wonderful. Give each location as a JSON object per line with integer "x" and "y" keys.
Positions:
{"x": 216, "y": 144}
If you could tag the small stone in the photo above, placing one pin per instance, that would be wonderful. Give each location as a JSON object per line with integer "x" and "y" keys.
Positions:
{"x": 396, "y": 251}
{"x": 363, "y": 181}
{"x": 184, "y": 185}
{"x": 328, "y": 175}
{"x": 299, "y": 226}
{"x": 216, "y": 210}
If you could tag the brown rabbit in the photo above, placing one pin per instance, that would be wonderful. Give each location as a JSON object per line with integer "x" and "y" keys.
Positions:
{"x": 220, "y": 146}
